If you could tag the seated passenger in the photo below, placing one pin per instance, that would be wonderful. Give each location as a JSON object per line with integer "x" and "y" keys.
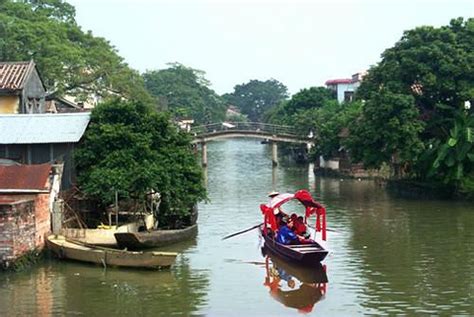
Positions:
{"x": 286, "y": 234}
{"x": 300, "y": 228}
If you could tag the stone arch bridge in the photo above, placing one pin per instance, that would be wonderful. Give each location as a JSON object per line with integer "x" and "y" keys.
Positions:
{"x": 269, "y": 132}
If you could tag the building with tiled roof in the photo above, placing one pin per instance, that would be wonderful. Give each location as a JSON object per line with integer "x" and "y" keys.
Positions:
{"x": 21, "y": 88}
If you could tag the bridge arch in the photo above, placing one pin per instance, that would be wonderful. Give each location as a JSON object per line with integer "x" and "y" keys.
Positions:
{"x": 270, "y": 132}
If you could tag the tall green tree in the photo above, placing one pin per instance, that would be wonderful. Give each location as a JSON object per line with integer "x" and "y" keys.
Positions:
{"x": 314, "y": 110}
{"x": 301, "y": 110}
{"x": 387, "y": 131}
{"x": 256, "y": 97}
{"x": 71, "y": 61}
{"x": 432, "y": 67}
{"x": 132, "y": 149}
{"x": 185, "y": 92}
{"x": 309, "y": 98}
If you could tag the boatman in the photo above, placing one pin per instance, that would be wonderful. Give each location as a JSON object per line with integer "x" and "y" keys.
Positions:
{"x": 279, "y": 214}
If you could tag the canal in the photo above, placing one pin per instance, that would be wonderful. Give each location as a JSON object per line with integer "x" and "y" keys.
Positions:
{"x": 389, "y": 256}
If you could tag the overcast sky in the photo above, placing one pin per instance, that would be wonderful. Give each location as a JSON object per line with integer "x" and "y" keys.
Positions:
{"x": 301, "y": 43}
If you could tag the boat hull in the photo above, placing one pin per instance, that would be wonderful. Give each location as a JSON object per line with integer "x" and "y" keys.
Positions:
{"x": 306, "y": 254}
{"x": 154, "y": 239}
{"x": 99, "y": 237}
{"x": 78, "y": 251}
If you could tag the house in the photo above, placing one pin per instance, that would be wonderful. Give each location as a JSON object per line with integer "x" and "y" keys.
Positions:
{"x": 344, "y": 88}
{"x": 21, "y": 89}
{"x": 43, "y": 138}
{"x": 26, "y": 196}
{"x": 185, "y": 124}
{"x": 56, "y": 104}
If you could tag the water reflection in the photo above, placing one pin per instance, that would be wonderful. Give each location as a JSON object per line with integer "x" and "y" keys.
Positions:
{"x": 295, "y": 286}
{"x": 70, "y": 288}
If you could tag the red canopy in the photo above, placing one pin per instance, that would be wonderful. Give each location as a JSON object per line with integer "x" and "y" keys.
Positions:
{"x": 303, "y": 196}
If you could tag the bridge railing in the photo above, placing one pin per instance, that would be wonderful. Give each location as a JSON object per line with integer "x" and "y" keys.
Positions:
{"x": 244, "y": 126}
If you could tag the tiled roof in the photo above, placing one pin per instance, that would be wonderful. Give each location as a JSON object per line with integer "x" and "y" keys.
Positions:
{"x": 13, "y": 74}
{"x": 338, "y": 81}
{"x": 24, "y": 177}
{"x": 43, "y": 128}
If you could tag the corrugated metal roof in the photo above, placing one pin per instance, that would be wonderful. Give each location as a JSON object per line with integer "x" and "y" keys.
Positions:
{"x": 21, "y": 177}
{"x": 43, "y": 128}
{"x": 13, "y": 74}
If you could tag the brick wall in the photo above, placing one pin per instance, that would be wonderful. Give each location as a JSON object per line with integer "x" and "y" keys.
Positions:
{"x": 43, "y": 219}
{"x": 42, "y": 215}
{"x": 17, "y": 229}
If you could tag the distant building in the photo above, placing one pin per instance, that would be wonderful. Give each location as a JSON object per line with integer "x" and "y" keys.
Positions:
{"x": 21, "y": 89}
{"x": 26, "y": 196}
{"x": 43, "y": 138}
{"x": 344, "y": 88}
{"x": 63, "y": 105}
{"x": 185, "y": 124}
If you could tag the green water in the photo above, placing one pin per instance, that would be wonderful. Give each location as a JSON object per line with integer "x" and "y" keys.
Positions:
{"x": 388, "y": 256}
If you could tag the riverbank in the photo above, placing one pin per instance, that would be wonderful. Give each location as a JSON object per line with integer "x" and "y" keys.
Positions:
{"x": 24, "y": 262}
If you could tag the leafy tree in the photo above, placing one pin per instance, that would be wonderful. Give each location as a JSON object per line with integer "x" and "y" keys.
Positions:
{"x": 455, "y": 157}
{"x": 312, "y": 98}
{"x": 131, "y": 149}
{"x": 70, "y": 61}
{"x": 185, "y": 92}
{"x": 301, "y": 111}
{"x": 387, "y": 131}
{"x": 330, "y": 126}
{"x": 433, "y": 67}
{"x": 256, "y": 97}
{"x": 314, "y": 110}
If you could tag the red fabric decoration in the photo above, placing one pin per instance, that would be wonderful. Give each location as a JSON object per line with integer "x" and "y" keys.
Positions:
{"x": 312, "y": 207}
{"x": 269, "y": 218}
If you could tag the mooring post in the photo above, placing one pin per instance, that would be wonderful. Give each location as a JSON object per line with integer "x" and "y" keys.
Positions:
{"x": 57, "y": 216}
{"x": 204, "y": 153}
{"x": 274, "y": 153}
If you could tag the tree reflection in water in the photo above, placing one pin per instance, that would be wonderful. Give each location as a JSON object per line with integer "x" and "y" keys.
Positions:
{"x": 295, "y": 286}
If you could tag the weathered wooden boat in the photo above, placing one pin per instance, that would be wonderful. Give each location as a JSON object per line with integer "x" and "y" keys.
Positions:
{"x": 308, "y": 253}
{"x": 103, "y": 236}
{"x": 75, "y": 250}
{"x": 155, "y": 238}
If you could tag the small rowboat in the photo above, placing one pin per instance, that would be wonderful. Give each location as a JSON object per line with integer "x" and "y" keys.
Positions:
{"x": 312, "y": 253}
{"x": 75, "y": 250}
{"x": 308, "y": 253}
{"x": 154, "y": 239}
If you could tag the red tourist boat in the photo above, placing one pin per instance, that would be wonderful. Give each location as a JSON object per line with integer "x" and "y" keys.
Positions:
{"x": 308, "y": 253}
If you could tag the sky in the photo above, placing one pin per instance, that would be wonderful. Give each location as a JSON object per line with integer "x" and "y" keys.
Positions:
{"x": 301, "y": 43}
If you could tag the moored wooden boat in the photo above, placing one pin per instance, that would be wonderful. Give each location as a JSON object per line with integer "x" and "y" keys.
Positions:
{"x": 155, "y": 238}
{"x": 306, "y": 254}
{"x": 75, "y": 250}
{"x": 101, "y": 236}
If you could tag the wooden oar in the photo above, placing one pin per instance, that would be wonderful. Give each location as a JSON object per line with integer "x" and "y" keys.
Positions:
{"x": 243, "y": 231}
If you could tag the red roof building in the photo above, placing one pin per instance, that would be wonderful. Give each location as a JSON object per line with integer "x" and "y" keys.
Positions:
{"x": 21, "y": 88}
